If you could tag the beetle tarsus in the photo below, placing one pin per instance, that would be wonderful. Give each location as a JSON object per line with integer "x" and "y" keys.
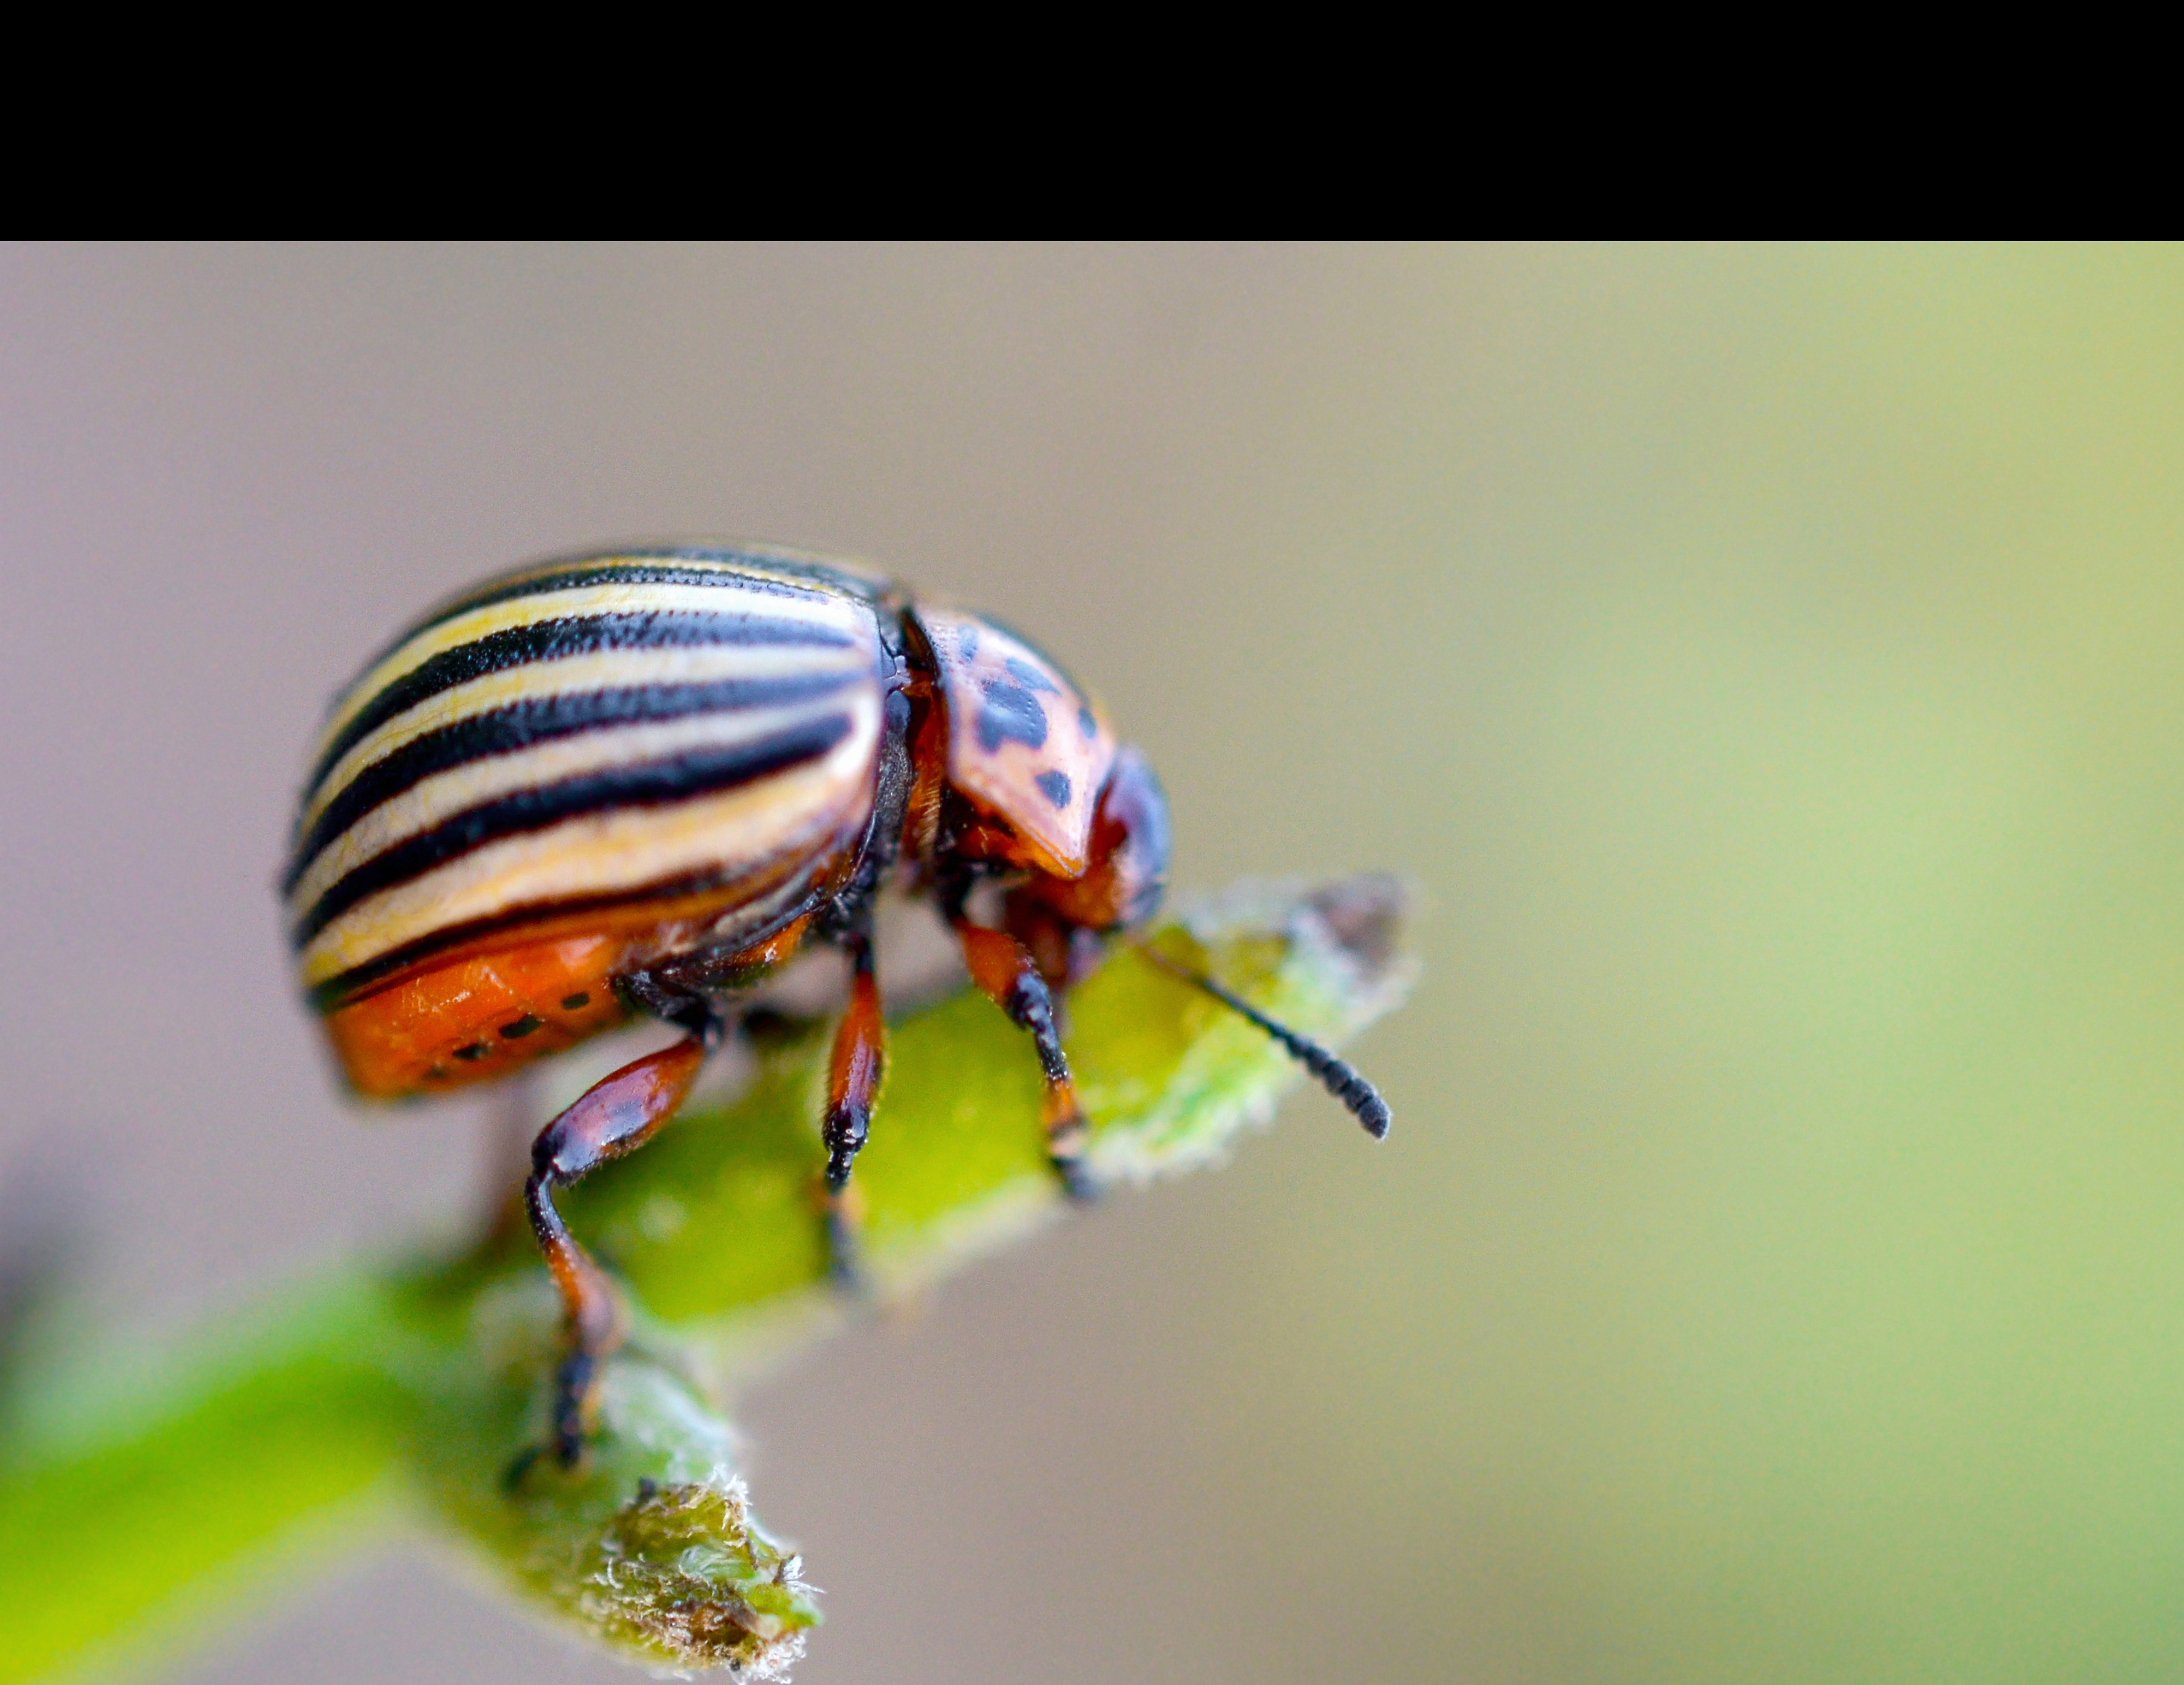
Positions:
{"x": 1008, "y": 973}
{"x": 615, "y": 1115}
{"x": 853, "y": 1084}
{"x": 1080, "y": 1181}
{"x": 846, "y": 1270}
{"x": 844, "y": 1135}
{"x": 574, "y": 1387}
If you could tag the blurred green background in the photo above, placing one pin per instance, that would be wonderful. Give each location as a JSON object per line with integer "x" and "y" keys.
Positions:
{"x": 1765, "y": 662}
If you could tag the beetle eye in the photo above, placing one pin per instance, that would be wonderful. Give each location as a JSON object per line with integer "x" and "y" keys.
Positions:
{"x": 1130, "y": 837}
{"x": 1128, "y": 872}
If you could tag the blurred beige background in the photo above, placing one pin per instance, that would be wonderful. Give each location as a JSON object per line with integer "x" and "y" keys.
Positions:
{"x": 1769, "y": 662}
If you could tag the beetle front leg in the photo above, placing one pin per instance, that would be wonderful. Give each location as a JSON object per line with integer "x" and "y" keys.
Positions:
{"x": 853, "y": 1084}
{"x": 1006, "y": 970}
{"x": 615, "y": 1116}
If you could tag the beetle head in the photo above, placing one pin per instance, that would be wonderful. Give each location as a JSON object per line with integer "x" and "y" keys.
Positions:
{"x": 1061, "y": 920}
{"x": 1122, "y": 886}
{"x": 1036, "y": 784}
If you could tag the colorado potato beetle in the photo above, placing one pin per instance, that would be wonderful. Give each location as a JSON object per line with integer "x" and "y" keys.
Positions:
{"x": 636, "y": 781}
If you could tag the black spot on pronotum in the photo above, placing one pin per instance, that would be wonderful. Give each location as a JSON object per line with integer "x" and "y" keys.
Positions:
{"x": 1086, "y": 723}
{"x": 522, "y": 1028}
{"x": 1054, "y": 787}
{"x": 1030, "y": 677}
{"x": 477, "y": 1049}
{"x": 575, "y": 1004}
{"x": 1009, "y": 713}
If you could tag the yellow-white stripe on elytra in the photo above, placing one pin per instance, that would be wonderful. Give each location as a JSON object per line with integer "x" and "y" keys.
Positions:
{"x": 768, "y": 564}
{"x": 574, "y": 676}
{"x": 786, "y": 815}
{"x": 436, "y": 800}
{"x": 806, "y": 607}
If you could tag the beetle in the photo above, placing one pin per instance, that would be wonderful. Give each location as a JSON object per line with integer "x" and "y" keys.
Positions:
{"x": 635, "y": 782}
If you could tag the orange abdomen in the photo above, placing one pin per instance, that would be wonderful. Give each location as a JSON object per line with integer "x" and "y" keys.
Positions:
{"x": 475, "y": 1020}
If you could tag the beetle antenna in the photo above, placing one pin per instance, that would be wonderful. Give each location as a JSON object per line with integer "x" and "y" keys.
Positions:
{"x": 1337, "y": 1076}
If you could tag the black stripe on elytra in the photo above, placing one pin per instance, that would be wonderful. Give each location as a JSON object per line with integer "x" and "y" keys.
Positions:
{"x": 697, "y": 772}
{"x": 570, "y": 635}
{"x": 538, "y": 719}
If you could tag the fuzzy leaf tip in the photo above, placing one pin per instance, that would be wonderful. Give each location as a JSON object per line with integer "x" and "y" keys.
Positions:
{"x": 684, "y": 1574}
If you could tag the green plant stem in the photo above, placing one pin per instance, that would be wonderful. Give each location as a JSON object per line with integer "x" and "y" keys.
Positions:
{"x": 138, "y": 1498}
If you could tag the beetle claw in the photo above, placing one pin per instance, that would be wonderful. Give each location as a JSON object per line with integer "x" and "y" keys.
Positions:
{"x": 844, "y": 1251}
{"x": 1080, "y": 1181}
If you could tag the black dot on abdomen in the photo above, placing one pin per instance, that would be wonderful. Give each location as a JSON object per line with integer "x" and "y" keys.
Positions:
{"x": 522, "y": 1028}
{"x": 575, "y": 1004}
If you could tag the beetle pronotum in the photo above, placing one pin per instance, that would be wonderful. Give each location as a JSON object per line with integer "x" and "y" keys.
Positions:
{"x": 638, "y": 781}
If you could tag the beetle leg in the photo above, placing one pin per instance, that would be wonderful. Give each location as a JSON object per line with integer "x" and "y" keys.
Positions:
{"x": 1006, "y": 970}
{"x": 615, "y": 1115}
{"x": 852, "y": 1082}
